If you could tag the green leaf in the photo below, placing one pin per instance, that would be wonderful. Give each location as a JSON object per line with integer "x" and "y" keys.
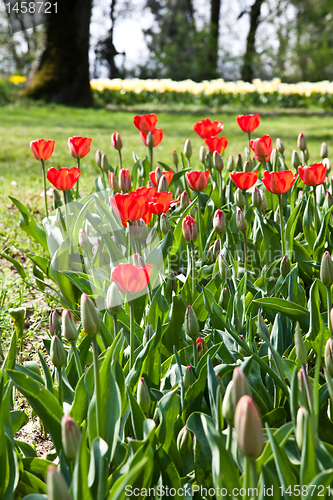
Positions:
{"x": 294, "y": 311}
{"x": 171, "y": 335}
{"x": 269, "y": 485}
{"x": 308, "y": 469}
{"x": 194, "y": 394}
{"x": 290, "y": 229}
{"x": 137, "y": 416}
{"x": 316, "y": 321}
{"x": 321, "y": 238}
{"x": 167, "y": 409}
{"x": 80, "y": 490}
{"x": 321, "y": 484}
{"x": 203, "y": 454}
{"x": 28, "y": 224}
{"x": 308, "y": 219}
{"x": 123, "y": 485}
{"x": 159, "y": 308}
{"x": 18, "y": 419}
{"x": 98, "y": 469}
{"x": 18, "y": 266}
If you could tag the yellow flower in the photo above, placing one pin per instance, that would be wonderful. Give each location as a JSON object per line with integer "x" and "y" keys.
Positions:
{"x": 16, "y": 79}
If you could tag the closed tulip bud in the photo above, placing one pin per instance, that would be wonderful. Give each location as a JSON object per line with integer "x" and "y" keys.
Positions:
{"x": 247, "y": 166}
{"x": 277, "y": 217}
{"x": 163, "y": 184}
{"x": 171, "y": 284}
{"x": 239, "y": 162}
{"x": 219, "y": 221}
{"x": 274, "y": 158}
{"x": 228, "y": 407}
{"x": 240, "y": 221}
{"x": 231, "y": 164}
{"x": 33, "y": 366}
{"x": 70, "y": 436}
{"x": 328, "y": 201}
{"x": 209, "y": 161}
{"x": 84, "y": 240}
{"x": 301, "y": 383}
{"x": 224, "y": 269}
{"x": 192, "y": 328}
{"x": 178, "y": 192}
{"x": 306, "y": 156}
{"x": 202, "y": 154}
{"x": 326, "y": 270}
{"x": 239, "y": 198}
{"x": 184, "y": 200}
{"x": 116, "y": 141}
{"x": 224, "y": 298}
{"x": 218, "y": 161}
{"x": 216, "y": 249}
{"x": 304, "y": 425}
{"x": 188, "y": 377}
{"x": 113, "y": 299}
{"x": 69, "y": 331}
{"x": 295, "y": 161}
{"x": 187, "y": 149}
{"x": 114, "y": 184}
{"x": 201, "y": 346}
{"x": 327, "y": 162}
{"x": 125, "y": 181}
{"x": 104, "y": 163}
{"x": 323, "y": 150}
{"x": 263, "y": 200}
{"x": 256, "y": 198}
{"x": 183, "y": 440}
{"x": 54, "y": 323}
{"x": 301, "y": 352}
{"x": 280, "y": 146}
{"x": 99, "y": 158}
{"x": 57, "y": 352}
{"x": 210, "y": 254}
{"x": 158, "y": 174}
{"x": 329, "y": 356}
{"x": 56, "y": 485}
{"x": 150, "y": 140}
{"x": 285, "y": 266}
{"x": 190, "y": 229}
{"x": 175, "y": 158}
{"x": 143, "y": 395}
{"x": 148, "y": 333}
{"x": 240, "y": 386}
{"x": 301, "y": 142}
{"x": 165, "y": 224}
{"x": 248, "y": 428}
{"x": 89, "y": 316}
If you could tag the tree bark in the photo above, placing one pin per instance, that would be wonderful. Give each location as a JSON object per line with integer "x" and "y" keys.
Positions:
{"x": 247, "y": 70}
{"x": 214, "y": 36}
{"x": 62, "y": 73}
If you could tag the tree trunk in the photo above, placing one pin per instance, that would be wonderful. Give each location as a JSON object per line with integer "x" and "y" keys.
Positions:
{"x": 247, "y": 70}
{"x": 62, "y": 74}
{"x": 214, "y": 36}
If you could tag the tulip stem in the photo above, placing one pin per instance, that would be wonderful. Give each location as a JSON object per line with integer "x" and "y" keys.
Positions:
{"x": 282, "y": 226}
{"x": 129, "y": 240}
{"x": 60, "y": 388}
{"x": 115, "y": 325}
{"x": 77, "y": 359}
{"x": 44, "y": 187}
{"x": 329, "y": 307}
{"x": 315, "y": 209}
{"x": 195, "y": 352}
{"x": 317, "y": 372}
{"x": 97, "y": 385}
{"x": 229, "y": 437}
{"x": 245, "y": 253}
{"x": 220, "y": 188}
{"x": 67, "y": 221}
{"x": 77, "y": 184}
{"x": 120, "y": 160}
{"x": 199, "y": 224}
{"x": 249, "y": 137}
{"x": 150, "y": 158}
{"x": 131, "y": 333}
{"x": 193, "y": 271}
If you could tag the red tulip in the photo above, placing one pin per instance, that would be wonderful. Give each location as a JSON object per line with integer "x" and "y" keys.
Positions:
{"x": 313, "y": 175}
{"x": 216, "y": 144}
{"x": 205, "y": 128}
{"x": 168, "y": 175}
{"x": 42, "y": 149}
{"x": 279, "y": 182}
{"x": 248, "y": 123}
{"x": 63, "y": 178}
{"x": 125, "y": 181}
{"x": 129, "y": 207}
{"x": 197, "y": 180}
{"x": 157, "y": 136}
{"x": 160, "y": 203}
{"x": 131, "y": 279}
{"x": 143, "y": 190}
{"x": 244, "y": 180}
{"x": 79, "y": 146}
{"x": 145, "y": 123}
{"x": 190, "y": 229}
{"x": 262, "y": 148}
{"x": 116, "y": 141}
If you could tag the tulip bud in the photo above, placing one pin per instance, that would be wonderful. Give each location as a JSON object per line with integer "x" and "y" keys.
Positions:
{"x": 114, "y": 182}
{"x": 70, "y": 436}
{"x": 147, "y": 335}
{"x": 184, "y": 200}
{"x": 224, "y": 298}
{"x": 239, "y": 162}
{"x": 69, "y": 331}
{"x": 280, "y": 146}
{"x": 224, "y": 269}
{"x": 277, "y": 217}
{"x": 57, "y": 352}
{"x": 301, "y": 352}
{"x": 209, "y": 161}
{"x": 327, "y": 162}
{"x": 306, "y": 155}
{"x": 210, "y": 254}
{"x": 239, "y": 198}
{"x": 256, "y": 198}
{"x": 84, "y": 241}
{"x": 89, "y": 316}
{"x": 231, "y": 164}
{"x": 113, "y": 299}
{"x": 301, "y": 142}
{"x": 54, "y": 323}
{"x": 328, "y": 201}
{"x": 323, "y": 150}
{"x": 178, "y": 192}
{"x": 158, "y": 174}
{"x": 33, "y": 366}
{"x": 99, "y": 158}
{"x": 56, "y": 485}
{"x": 326, "y": 270}
{"x": 150, "y": 140}
{"x": 304, "y": 424}
{"x": 125, "y": 181}
{"x": 248, "y": 428}
{"x": 144, "y": 229}
{"x": 274, "y": 158}
{"x": 219, "y": 221}
{"x": 329, "y": 355}
{"x": 171, "y": 284}
{"x": 163, "y": 184}
{"x": 175, "y": 158}
{"x": 165, "y": 224}
{"x": 240, "y": 386}
{"x": 138, "y": 260}
{"x": 104, "y": 163}
{"x": 117, "y": 143}
{"x": 247, "y": 166}
{"x": 228, "y": 408}
{"x": 218, "y": 161}
{"x": 240, "y": 221}
{"x": 143, "y": 395}
{"x": 188, "y": 149}
{"x": 263, "y": 200}
{"x": 216, "y": 249}
{"x": 202, "y": 154}
{"x": 192, "y": 328}
{"x": 295, "y": 161}
{"x": 190, "y": 229}
{"x": 183, "y": 440}
{"x": 201, "y": 346}
{"x": 285, "y": 266}
{"x": 188, "y": 377}
{"x": 301, "y": 383}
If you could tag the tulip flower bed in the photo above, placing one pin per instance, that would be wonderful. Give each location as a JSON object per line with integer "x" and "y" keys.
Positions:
{"x": 193, "y": 357}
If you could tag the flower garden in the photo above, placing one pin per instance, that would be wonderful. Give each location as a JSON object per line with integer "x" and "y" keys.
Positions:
{"x": 191, "y": 353}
